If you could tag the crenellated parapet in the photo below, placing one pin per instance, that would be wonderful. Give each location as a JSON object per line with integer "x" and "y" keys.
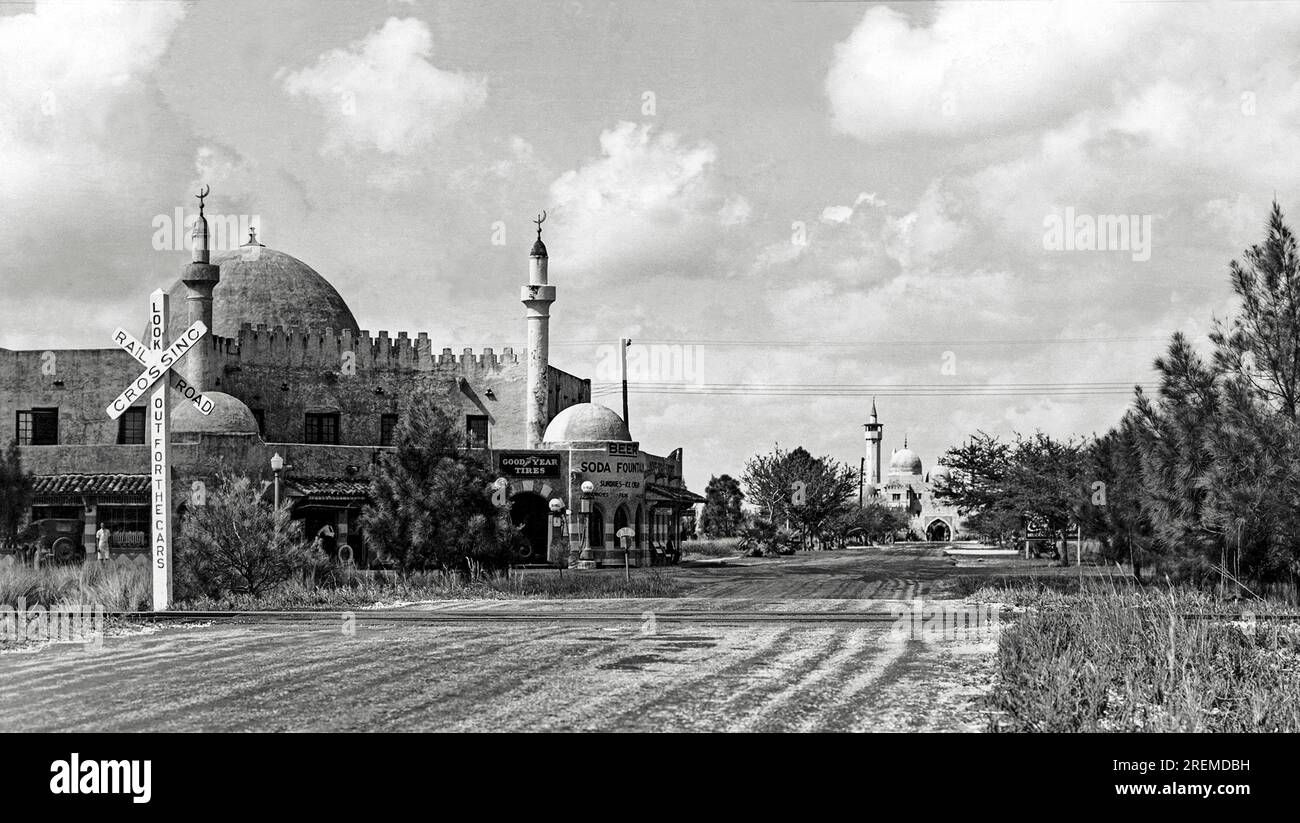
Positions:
{"x": 343, "y": 351}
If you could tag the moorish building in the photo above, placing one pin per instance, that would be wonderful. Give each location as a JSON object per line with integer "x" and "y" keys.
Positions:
{"x": 908, "y": 487}
{"x": 290, "y": 373}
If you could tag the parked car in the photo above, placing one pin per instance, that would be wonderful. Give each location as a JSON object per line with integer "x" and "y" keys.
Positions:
{"x": 52, "y": 540}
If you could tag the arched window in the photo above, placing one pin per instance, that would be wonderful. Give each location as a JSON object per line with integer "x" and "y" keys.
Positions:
{"x": 596, "y": 527}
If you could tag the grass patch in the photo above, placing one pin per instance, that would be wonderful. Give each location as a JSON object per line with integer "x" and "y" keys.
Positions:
{"x": 125, "y": 589}
{"x": 721, "y": 547}
{"x": 363, "y": 592}
{"x": 116, "y": 588}
{"x": 1126, "y": 660}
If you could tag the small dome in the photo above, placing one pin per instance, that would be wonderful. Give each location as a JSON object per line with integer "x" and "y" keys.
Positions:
{"x": 587, "y": 423}
{"x": 229, "y": 415}
{"x": 905, "y": 461}
{"x": 940, "y": 471}
{"x": 260, "y": 285}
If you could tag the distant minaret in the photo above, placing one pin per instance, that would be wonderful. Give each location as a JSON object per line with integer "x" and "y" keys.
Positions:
{"x": 537, "y": 297}
{"x": 874, "y": 433}
{"x": 200, "y": 279}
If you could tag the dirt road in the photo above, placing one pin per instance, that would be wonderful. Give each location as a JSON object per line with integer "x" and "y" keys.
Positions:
{"x": 639, "y": 669}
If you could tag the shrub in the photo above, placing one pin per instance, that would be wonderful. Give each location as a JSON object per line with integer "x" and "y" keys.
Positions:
{"x": 763, "y": 537}
{"x": 238, "y": 542}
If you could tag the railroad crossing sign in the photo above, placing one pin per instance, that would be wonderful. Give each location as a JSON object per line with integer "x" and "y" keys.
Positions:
{"x": 158, "y": 358}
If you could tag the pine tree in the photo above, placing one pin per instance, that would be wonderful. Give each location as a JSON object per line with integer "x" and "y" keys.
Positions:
{"x": 430, "y": 500}
{"x": 1218, "y": 441}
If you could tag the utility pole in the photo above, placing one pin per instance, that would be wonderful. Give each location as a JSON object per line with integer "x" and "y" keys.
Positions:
{"x": 623, "y": 343}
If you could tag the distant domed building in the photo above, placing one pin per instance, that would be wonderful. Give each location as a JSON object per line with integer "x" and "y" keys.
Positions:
{"x": 908, "y": 487}
{"x": 286, "y": 371}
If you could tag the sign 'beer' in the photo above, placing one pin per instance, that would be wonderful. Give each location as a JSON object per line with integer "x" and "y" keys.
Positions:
{"x": 158, "y": 358}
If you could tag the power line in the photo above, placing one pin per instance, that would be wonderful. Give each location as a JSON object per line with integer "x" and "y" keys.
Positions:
{"x": 1082, "y": 389}
{"x": 852, "y": 344}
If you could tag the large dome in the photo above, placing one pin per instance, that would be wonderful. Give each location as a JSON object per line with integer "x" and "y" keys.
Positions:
{"x": 262, "y": 285}
{"x": 587, "y": 423}
{"x": 905, "y": 461}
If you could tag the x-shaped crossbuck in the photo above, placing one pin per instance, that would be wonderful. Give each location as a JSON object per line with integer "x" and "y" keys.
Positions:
{"x": 156, "y": 365}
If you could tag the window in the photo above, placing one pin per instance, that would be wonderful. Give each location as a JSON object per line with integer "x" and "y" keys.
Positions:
{"x": 38, "y": 427}
{"x": 897, "y": 497}
{"x": 260, "y": 416}
{"x": 322, "y": 428}
{"x": 387, "y": 425}
{"x": 130, "y": 427}
{"x": 476, "y": 431}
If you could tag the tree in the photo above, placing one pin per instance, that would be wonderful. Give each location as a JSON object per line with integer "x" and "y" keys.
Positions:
{"x": 238, "y": 542}
{"x": 15, "y": 493}
{"x": 722, "y": 515}
{"x": 871, "y": 521}
{"x": 1262, "y": 343}
{"x": 1218, "y": 440}
{"x": 1046, "y": 478}
{"x": 997, "y": 485}
{"x": 975, "y": 484}
{"x": 794, "y": 486}
{"x": 1114, "y": 512}
{"x": 430, "y": 500}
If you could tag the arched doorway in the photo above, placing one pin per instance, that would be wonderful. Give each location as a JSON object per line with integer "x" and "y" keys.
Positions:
{"x": 529, "y": 512}
{"x": 938, "y": 532}
{"x": 596, "y": 527}
{"x": 640, "y": 519}
{"x": 620, "y": 522}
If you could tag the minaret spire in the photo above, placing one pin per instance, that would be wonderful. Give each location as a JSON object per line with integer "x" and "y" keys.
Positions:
{"x": 539, "y": 248}
{"x": 200, "y": 234}
{"x": 200, "y": 278}
{"x": 874, "y": 435}
{"x": 537, "y": 298}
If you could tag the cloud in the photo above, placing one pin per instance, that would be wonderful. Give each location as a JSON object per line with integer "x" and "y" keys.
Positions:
{"x": 383, "y": 93}
{"x": 981, "y": 67}
{"x": 81, "y": 170}
{"x": 67, "y": 68}
{"x": 650, "y": 201}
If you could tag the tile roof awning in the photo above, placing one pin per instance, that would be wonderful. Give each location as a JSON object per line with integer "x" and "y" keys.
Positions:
{"x": 119, "y": 487}
{"x": 328, "y": 490}
{"x": 657, "y": 493}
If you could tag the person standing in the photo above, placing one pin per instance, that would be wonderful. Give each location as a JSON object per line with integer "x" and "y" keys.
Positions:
{"x": 102, "y": 537}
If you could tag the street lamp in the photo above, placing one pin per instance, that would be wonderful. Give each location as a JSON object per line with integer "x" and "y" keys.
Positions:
{"x": 277, "y": 466}
{"x": 585, "y": 508}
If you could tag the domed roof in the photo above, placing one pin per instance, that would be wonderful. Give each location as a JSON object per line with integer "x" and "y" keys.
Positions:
{"x": 229, "y": 415}
{"x": 586, "y": 423}
{"x": 939, "y": 471}
{"x": 262, "y": 285}
{"x": 905, "y": 461}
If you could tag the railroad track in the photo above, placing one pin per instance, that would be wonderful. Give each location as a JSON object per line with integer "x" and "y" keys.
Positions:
{"x": 514, "y": 616}
{"x": 552, "y": 616}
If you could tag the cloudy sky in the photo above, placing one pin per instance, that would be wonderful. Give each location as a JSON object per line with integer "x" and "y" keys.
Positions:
{"x": 848, "y": 197}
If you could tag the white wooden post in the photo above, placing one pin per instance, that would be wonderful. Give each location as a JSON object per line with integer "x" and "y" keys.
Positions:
{"x": 158, "y": 358}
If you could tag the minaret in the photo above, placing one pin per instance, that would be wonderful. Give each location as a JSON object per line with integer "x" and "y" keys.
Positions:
{"x": 200, "y": 279}
{"x": 537, "y": 298}
{"x": 874, "y": 433}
